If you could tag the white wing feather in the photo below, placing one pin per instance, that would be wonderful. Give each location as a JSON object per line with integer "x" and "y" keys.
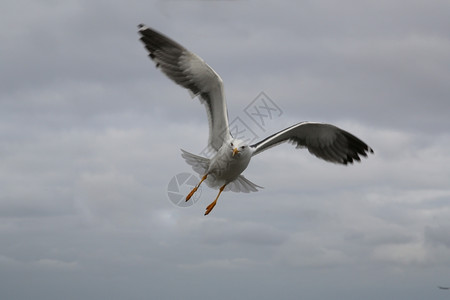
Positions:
{"x": 190, "y": 71}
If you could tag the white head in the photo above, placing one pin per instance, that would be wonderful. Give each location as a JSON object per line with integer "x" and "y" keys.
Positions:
{"x": 239, "y": 149}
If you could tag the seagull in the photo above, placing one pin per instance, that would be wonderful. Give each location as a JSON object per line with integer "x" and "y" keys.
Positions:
{"x": 231, "y": 156}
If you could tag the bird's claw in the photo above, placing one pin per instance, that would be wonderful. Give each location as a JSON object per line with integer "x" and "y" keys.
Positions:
{"x": 191, "y": 193}
{"x": 210, "y": 207}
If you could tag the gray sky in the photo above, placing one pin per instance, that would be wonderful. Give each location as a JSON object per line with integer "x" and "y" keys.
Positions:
{"x": 90, "y": 134}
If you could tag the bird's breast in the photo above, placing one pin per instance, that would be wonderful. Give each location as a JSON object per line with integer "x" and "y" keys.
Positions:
{"x": 228, "y": 167}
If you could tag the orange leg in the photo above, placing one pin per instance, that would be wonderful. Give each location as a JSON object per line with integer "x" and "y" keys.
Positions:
{"x": 196, "y": 188}
{"x": 211, "y": 206}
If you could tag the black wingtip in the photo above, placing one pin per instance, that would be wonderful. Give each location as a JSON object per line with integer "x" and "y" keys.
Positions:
{"x": 142, "y": 27}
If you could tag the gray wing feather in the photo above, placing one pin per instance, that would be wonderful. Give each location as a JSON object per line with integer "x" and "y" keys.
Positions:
{"x": 191, "y": 72}
{"x": 325, "y": 141}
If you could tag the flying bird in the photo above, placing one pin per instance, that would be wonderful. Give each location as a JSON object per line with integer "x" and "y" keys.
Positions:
{"x": 231, "y": 156}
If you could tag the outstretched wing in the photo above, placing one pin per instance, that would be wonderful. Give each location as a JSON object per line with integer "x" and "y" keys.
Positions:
{"x": 325, "y": 141}
{"x": 191, "y": 72}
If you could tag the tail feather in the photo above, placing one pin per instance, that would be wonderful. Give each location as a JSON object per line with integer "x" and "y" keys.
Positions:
{"x": 199, "y": 164}
{"x": 242, "y": 184}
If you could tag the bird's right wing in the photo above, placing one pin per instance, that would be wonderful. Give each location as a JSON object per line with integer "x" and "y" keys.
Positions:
{"x": 190, "y": 71}
{"x": 325, "y": 141}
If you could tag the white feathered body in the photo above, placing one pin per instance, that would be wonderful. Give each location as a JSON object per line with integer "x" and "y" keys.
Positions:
{"x": 226, "y": 166}
{"x": 223, "y": 168}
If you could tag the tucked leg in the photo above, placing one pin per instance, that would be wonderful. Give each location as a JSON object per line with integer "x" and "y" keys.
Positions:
{"x": 211, "y": 206}
{"x": 196, "y": 188}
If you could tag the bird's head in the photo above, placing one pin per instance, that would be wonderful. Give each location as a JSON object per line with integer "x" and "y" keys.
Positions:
{"x": 239, "y": 148}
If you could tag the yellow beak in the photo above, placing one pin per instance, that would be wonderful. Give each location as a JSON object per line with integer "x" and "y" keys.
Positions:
{"x": 235, "y": 150}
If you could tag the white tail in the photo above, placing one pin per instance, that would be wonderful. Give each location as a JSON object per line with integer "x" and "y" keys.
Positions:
{"x": 201, "y": 164}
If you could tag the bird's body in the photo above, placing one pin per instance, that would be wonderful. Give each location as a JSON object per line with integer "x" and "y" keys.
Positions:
{"x": 228, "y": 166}
{"x": 232, "y": 156}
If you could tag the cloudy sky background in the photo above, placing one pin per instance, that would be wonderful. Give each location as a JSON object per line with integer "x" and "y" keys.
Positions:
{"x": 90, "y": 134}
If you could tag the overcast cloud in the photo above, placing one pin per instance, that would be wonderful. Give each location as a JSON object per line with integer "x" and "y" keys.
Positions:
{"x": 90, "y": 134}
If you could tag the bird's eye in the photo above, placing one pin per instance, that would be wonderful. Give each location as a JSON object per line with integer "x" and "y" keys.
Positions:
{"x": 232, "y": 145}
{"x": 242, "y": 147}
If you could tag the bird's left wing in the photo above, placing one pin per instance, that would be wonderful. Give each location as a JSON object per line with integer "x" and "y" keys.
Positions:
{"x": 325, "y": 141}
{"x": 190, "y": 71}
